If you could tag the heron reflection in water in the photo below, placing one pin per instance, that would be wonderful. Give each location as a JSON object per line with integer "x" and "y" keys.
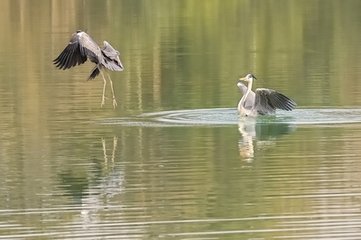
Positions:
{"x": 109, "y": 184}
{"x": 81, "y": 47}
{"x": 258, "y": 136}
{"x": 262, "y": 101}
{"x": 115, "y": 144}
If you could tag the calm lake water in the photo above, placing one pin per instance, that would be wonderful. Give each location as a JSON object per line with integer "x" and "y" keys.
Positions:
{"x": 173, "y": 160}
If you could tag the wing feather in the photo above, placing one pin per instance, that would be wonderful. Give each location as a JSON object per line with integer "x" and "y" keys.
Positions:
{"x": 268, "y": 100}
{"x": 71, "y": 55}
{"x": 109, "y": 50}
{"x": 281, "y": 101}
{"x": 61, "y": 60}
{"x": 262, "y": 105}
{"x": 82, "y": 47}
{"x": 88, "y": 46}
{"x": 111, "y": 58}
{"x": 95, "y": 72}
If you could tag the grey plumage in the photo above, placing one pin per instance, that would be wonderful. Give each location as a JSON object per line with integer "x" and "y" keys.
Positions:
{"x": 82, "y": 47}
{"x": 263, "y": 101}
{"x": 111, "y": 59}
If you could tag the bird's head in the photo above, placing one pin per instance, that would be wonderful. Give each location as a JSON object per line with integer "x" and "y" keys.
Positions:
{"x": 249, "y": 77}
{"x": 78, "y": 31}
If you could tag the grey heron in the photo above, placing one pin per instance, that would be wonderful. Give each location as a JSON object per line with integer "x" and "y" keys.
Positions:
{"x": 82, "y": 47}
{"x": 262, "y": 101}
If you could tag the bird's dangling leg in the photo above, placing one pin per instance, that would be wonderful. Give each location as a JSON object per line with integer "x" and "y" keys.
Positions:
{"x": 111, "y": 86}
{"x": 105, "y": 83}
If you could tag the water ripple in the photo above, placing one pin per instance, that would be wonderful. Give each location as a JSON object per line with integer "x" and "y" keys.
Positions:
{"x": 229, "y": 116}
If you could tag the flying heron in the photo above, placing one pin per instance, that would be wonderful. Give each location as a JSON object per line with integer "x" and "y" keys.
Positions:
{"x": 263, "y": 101}
{"x": 81, "y": 47}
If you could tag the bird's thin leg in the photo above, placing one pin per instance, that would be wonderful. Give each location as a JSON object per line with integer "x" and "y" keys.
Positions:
{"x": 105, "y": 83}
{"x": 111, "y": 86}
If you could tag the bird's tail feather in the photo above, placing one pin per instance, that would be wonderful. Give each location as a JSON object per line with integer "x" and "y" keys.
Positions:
{"x": 95, "y": 72}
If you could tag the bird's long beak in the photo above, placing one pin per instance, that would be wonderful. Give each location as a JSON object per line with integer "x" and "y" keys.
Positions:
{"x": 242, "y": 79}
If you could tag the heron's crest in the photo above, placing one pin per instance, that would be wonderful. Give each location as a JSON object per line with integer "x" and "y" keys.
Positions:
{"x": 250, "y": 75}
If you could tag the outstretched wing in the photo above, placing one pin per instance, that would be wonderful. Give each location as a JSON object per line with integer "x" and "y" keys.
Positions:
{"x": 72, "y": 55}
{"x": 111, "y": 58}
{"x": 268, "y": 100}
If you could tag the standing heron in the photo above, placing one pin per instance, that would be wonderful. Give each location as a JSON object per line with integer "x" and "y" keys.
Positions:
{"x": 263, "y": 101}
{"x": 81, "y": 47}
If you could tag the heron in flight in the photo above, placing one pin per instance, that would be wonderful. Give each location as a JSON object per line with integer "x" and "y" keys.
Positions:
{"x": 82, "y": 47}
{"x": 263, "y": 101}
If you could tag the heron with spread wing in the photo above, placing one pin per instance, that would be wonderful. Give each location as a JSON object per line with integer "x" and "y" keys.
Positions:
{"x": 262, "y": 101}
{"x": 82, "y": 47}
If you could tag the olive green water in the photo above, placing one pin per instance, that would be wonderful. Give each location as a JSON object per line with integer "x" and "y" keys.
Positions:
{"x": 173, "y": 161}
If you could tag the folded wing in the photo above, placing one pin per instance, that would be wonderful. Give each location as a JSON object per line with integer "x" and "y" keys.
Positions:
{"x": 111, "y": 58}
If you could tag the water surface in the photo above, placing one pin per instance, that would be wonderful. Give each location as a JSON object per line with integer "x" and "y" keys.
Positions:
{"x": 174, "y": 161}
{"x": 230, "y": 116}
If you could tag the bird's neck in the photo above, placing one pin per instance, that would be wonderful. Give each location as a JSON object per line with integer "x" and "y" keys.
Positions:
{"x": 250, "y": 83}
{"x": 243, "y": 99}
{"x": 249, "y": 88}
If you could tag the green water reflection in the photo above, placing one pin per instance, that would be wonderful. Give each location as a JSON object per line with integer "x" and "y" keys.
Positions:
{"x": 64, "y": 175}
